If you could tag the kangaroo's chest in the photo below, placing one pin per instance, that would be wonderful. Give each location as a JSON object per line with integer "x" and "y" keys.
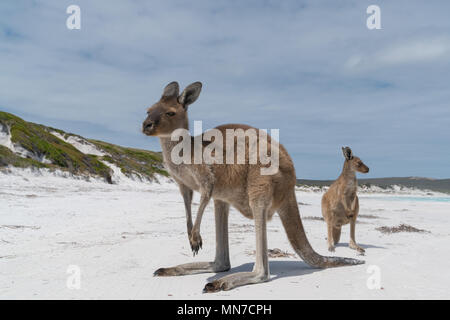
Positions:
{"x": 348, "y": 203}
{"x": 182, "y": 175}
{"x": 345, "y": 206}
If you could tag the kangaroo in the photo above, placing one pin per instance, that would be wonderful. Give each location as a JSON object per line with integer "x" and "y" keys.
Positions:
{"x": 340, "y": 204}
{"x": 242, "y": 186}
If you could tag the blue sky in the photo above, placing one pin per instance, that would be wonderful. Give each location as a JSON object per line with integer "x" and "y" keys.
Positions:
{"x": 309, "y": 68}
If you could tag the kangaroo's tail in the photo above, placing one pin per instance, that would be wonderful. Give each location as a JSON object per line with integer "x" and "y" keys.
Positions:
{"x": 290, "y": 217}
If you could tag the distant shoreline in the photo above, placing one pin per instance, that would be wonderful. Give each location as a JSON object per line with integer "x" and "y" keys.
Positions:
{"x": 437, "y": 185}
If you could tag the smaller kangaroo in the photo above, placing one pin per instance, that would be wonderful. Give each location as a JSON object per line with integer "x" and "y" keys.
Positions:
{"x": 340, "y": 204}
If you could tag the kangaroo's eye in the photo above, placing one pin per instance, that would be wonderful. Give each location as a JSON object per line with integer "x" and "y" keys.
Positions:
{"x": 170, "y": 114}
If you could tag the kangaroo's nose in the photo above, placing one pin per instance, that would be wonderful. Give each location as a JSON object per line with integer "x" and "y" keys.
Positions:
{"x": 148, "y": 125}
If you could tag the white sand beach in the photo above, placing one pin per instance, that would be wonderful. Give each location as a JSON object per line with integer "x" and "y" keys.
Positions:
{"x": 117, "y": 235}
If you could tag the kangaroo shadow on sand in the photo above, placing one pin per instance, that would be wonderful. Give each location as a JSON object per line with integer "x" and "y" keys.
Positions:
{"x": 364, "y": 246}
{"x": 278, "y": 269}
{"x": 285, "y": 268}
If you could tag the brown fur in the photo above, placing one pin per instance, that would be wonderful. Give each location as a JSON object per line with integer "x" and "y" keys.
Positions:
{"x": 242, "y": 186}
{"x": 340, "y": 204}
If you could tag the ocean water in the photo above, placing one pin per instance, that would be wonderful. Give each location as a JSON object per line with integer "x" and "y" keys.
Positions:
{"x": 411, "y": 198}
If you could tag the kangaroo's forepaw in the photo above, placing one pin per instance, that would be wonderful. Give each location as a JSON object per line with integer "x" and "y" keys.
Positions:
{"x": 214, "y": 286}
{"x": 196, "y": 242}
{"x": 331, "y": 248}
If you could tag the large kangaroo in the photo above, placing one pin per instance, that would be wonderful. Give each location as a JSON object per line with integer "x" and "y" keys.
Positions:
{"x": 340, "y": 204}
{"x": 243, "y": 186}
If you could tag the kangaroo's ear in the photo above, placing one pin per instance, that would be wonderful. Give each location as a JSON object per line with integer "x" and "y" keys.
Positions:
{"x": 190, "y": 94}
{"x": 171, "y": 90}
{"x": 348, "y": 154}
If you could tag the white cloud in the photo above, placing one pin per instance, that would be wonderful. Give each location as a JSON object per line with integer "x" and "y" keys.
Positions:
{"x": 415, "y": 51}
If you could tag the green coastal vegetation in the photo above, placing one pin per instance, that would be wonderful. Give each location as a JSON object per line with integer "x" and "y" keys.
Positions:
{"x": 39, "y": 143}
